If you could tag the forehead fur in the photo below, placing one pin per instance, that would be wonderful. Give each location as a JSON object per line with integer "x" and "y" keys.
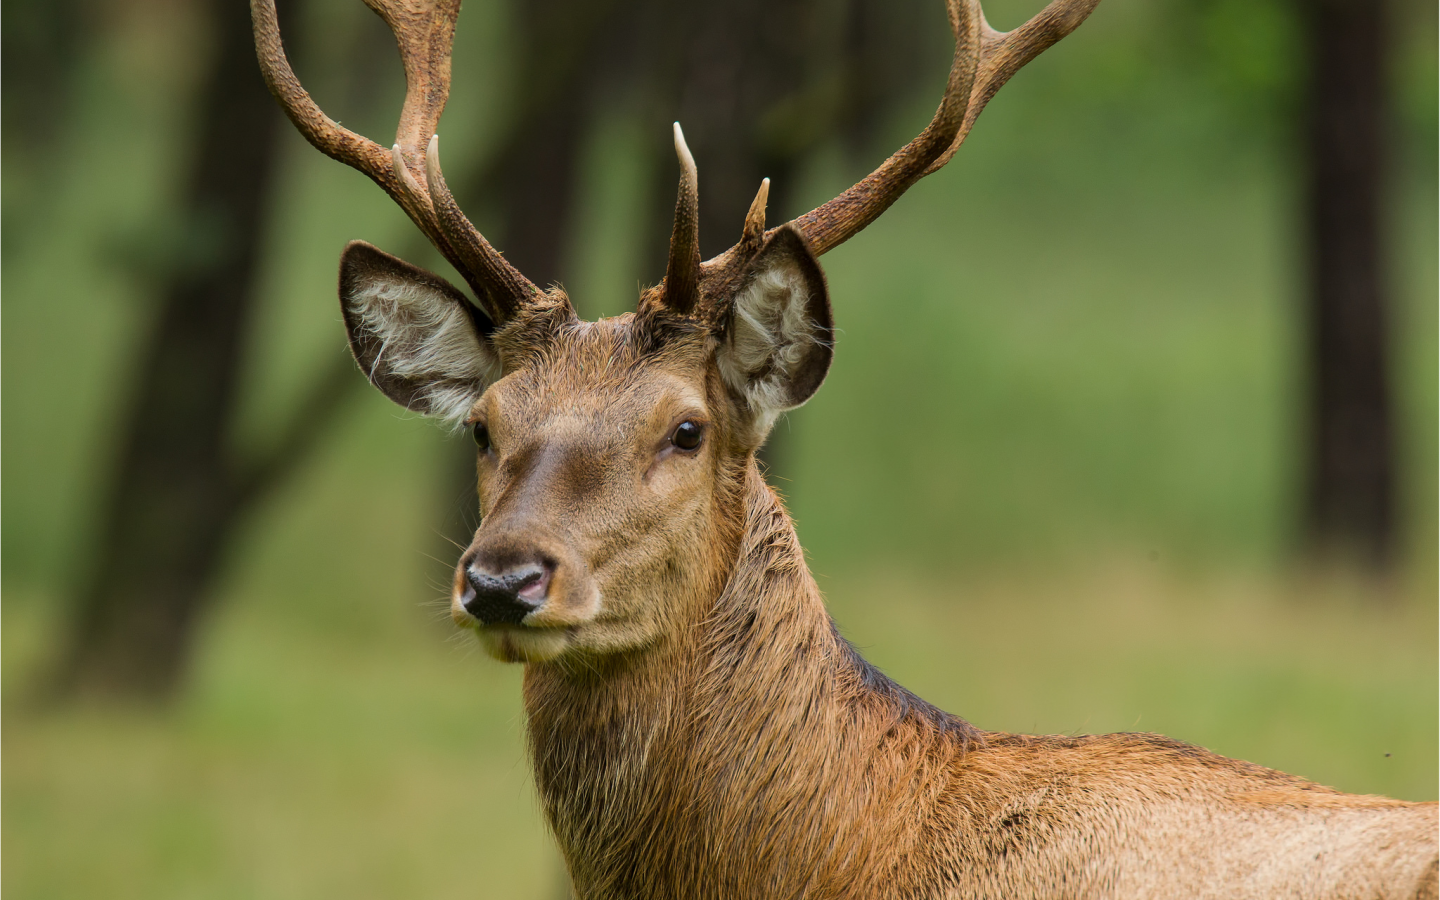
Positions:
{"x": 573, "y": 358}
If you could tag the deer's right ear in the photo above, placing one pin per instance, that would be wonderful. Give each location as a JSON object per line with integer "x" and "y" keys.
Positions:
{"x": 418, "y": 339}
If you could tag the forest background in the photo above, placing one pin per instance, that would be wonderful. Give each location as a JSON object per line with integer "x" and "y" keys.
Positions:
{"x": 1060, "y": 478}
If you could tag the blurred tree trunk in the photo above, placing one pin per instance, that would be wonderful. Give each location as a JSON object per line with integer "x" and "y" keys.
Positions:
{"x": 1351, "y": 466}
{"x": 39, "y": 43}
{"x": 177, "y": 493}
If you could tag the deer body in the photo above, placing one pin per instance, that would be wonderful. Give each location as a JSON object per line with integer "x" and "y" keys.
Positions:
{"x": 762, "y": 757}
{"x": 698, "y": 728}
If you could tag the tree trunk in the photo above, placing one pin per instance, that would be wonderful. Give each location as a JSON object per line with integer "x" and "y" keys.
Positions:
{"x": 1351, "y": 470}
{"x": 177, "y": 494}
{"x": 39, "y": 44}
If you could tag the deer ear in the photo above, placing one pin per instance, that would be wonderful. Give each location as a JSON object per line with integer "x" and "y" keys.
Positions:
{"x": 779, "y": 334}
{"x": 417, "y": 338}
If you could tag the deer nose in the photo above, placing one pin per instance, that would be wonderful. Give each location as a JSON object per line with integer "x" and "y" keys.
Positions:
{"x": 507, "y": 597}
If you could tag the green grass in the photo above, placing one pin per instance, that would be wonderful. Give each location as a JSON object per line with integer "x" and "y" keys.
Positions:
{"x": 385, "y": 760}
{"x": 296, "y": 768}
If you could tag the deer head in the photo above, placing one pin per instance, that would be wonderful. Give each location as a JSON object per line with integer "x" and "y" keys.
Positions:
{"x": 611, "y": 455}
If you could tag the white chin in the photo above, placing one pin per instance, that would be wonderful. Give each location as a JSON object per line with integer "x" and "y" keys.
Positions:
{"x": 516, "y": 643}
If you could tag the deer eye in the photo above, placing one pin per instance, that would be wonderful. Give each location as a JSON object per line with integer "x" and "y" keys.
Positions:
{"x": 687, "y": 435}
{"x": 481, "y": 435}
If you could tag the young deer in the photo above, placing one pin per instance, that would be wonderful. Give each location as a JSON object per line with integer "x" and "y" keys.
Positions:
{"x": 697, "y": 726}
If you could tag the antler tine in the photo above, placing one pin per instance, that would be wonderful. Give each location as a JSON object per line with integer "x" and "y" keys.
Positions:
{"x": 754, "y": 231}
{"x": 1002, "y": 54}
{"x": 425, "y": 32}
{"x": 984, "y": 60}
{"x": 832, "y": 223}
{"x": 509, "y": 290}
{"x": 324, "y": 133}
{"x": 682, "y": 273}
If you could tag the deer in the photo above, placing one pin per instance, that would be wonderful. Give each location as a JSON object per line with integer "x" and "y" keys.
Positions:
{"x": 696, "y": 724}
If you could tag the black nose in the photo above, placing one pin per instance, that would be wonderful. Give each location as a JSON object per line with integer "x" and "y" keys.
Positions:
{"x": 496, "y": 599}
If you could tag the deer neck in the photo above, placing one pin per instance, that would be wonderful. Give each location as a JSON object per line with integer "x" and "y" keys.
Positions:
{"x": 682, "y": 760}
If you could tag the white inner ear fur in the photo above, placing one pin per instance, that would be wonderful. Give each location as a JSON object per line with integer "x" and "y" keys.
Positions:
{"x": 769, "y": 336}
{"x": 428, "y": 339}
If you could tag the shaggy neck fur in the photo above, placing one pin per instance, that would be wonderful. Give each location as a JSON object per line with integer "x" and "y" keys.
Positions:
{"x": 638, "y": 770}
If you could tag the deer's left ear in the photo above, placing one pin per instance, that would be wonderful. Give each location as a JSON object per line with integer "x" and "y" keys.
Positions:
{"x": 779, "y": 334}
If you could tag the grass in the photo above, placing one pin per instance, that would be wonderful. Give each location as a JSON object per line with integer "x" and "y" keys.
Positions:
{"x": 296, "y": 768}
{"x": 387, "y": 761}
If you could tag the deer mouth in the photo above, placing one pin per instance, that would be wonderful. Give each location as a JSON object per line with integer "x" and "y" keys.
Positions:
{"x": 523, "y": 644}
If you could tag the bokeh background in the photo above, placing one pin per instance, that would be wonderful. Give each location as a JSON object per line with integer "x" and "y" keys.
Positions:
{"x": 1064, "y": 475}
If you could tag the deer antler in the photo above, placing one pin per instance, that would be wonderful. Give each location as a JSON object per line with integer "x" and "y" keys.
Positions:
{"x": 984, "y": 60}
{"x": 425, "y": 32}
{"x": 682, "y": 273}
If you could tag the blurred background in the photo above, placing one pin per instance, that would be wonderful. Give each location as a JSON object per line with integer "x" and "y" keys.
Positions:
{"x": 1132, "y": 424}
